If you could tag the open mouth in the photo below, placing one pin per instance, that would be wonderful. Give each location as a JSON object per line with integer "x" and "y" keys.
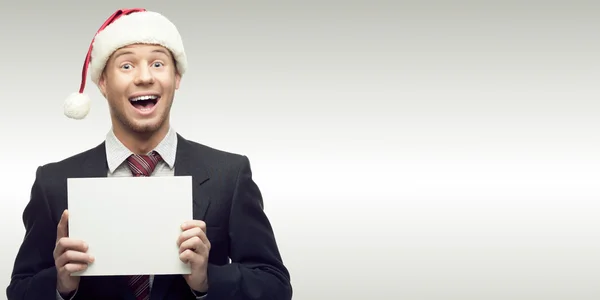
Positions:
{"x": 144, "y": 103}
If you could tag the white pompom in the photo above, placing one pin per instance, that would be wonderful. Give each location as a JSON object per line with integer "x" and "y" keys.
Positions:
{"x": 77, "y": 106}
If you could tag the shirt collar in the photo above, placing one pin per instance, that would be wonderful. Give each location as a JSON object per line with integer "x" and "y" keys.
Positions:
{"x": 117, "y": 153}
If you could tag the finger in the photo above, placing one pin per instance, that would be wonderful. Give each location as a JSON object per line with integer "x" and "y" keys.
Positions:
{"x": 188, "y": 256}
{"x": 62, "y": 229}
{"x": 73, "y": 267}
{"x": 193, "y": 233}
{"x": 188, "y": 234}
{"x": 71, "y": 256}
{"x": 195, "y": 244}
{"x": 193, "y": 223}
{"x": 66, "y": 243}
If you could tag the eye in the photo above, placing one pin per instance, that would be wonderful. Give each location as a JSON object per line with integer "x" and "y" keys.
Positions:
{"x": 126, "y": 66}
{"x": 157, "y": 64}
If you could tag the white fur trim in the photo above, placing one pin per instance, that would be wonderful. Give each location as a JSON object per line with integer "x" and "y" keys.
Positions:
{"x": 77, "y": 106}
{"x": 136, "y": 28}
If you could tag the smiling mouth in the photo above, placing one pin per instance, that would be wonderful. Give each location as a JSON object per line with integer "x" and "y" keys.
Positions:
{"x": 144, "y": 103}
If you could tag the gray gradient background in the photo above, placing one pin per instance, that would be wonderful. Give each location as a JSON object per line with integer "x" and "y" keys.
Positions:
{"x": 424, "y": 150}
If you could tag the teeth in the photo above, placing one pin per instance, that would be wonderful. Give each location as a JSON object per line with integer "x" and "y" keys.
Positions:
{"x": 149, "y": 97}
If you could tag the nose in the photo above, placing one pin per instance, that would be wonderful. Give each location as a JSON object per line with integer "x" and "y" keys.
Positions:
{"x": 144, "y": 76}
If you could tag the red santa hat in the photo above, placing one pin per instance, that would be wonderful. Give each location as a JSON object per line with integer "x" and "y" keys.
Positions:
{"x": 125, "y": 27}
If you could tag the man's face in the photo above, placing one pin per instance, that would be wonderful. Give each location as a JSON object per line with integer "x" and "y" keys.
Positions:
{"x": 139, "y": 82}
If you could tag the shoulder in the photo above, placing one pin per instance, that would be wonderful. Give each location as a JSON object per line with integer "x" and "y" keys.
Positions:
{"x": 72, "y": 166}
{"x": 213, "y": 157}
{"x": 50, "y": 184}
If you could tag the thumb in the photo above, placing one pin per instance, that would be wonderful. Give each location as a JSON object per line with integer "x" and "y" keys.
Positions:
{"x": 62, "y": 230}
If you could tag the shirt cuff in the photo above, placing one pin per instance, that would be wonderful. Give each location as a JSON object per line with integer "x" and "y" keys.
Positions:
{"x": 198, "y": 295}
{"x": 59, "y": 297}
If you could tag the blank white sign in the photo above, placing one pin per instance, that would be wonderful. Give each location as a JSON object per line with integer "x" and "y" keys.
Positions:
{"x": 131, "y": 224}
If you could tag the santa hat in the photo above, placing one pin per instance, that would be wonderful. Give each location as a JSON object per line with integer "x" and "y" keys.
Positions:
{"x": 125, "y": 27}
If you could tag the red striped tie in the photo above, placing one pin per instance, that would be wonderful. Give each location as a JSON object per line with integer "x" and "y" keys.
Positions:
{"x": 142, "y": 166}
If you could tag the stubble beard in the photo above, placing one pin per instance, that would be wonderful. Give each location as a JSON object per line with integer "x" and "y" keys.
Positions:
{"x": 141, "y": 128}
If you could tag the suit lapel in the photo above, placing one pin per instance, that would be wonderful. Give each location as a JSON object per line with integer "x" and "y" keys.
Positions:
{"x": 95, "y": 165}
{"x": 187, "y": 163}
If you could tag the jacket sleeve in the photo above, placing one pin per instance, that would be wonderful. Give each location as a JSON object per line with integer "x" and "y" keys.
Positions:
{"x": 34, "y": 274}
{"x": 256, "y": 271}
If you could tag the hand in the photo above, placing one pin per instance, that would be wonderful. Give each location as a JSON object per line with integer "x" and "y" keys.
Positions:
{"x": 69, "y": 256}
{"x": 193, "y": 249}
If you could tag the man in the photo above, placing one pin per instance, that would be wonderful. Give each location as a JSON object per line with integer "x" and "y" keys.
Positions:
{"x": 137, "y": 60}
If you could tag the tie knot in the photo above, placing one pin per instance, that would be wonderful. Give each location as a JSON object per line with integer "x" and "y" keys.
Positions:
{"x": 143, "y": 165}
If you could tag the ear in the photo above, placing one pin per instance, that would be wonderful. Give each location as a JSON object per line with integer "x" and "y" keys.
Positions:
{"x": 102, "y": 84}
{"x": 177, "y": 80}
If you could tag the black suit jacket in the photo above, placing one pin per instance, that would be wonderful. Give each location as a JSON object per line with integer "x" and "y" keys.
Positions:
{"x": 225, "y": 197}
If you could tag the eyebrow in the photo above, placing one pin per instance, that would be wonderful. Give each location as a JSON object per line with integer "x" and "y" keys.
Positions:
{"x": 160, "y": 51}
{"x": 129, "y": 52}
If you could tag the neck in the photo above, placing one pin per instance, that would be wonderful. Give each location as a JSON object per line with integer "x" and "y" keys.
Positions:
{"x": 140, "y": 142}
